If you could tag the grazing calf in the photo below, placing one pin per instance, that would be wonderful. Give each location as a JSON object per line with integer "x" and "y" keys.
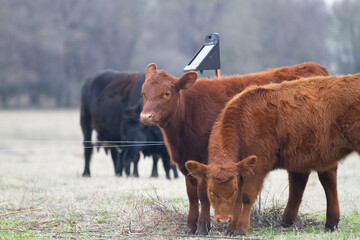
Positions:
{"x": 301, "y": 126}
{"x": 185, "y": 111}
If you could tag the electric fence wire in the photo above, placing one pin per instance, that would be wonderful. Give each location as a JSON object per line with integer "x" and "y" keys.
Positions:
{"x": 96, "y": 144}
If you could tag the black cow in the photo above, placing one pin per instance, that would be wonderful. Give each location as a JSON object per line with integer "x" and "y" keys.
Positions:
{"x": 103, "y": 98}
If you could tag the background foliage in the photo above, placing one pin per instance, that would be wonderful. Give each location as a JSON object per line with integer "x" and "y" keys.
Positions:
{"x": 48, "y": 48}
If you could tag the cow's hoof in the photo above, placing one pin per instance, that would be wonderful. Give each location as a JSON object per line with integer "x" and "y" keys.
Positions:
{"x": 86, "y": 174}
{"x": 118, "y": 175}
{"x": 229, "y": 232}
{"x": 190, "y": 230}
{"x": 285, "y": 224}
{"x": 331, "y": 227}
{"x": 238, "y": 232}
{"x": 203, "y": 228}
{"x": 201, "y": 231}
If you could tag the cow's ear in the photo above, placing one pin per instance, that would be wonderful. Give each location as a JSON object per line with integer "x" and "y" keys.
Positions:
{"x": 246, "y": 165}
{"x": 128, "y": 113}
{"x": 186, "y": 81}
{"x": 151, "y": 68}
{"x": 132, "y": 111}
{"x": 196, "y": 169}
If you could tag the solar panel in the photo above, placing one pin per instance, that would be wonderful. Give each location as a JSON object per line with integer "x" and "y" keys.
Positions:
{"x": 208, "y": 57}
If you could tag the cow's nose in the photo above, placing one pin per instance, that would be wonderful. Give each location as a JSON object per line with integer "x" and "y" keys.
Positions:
{"x": 223, "y": 219}
{"x": 146, "y": 117}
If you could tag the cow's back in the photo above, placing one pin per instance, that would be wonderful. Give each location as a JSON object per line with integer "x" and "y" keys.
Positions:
{"x": 107, "y": 108}
{"x": 300, "y": 121}
{"x": 93, "y": 87}
{"x": 314, "y": 116}
{"x": 236, "y": 84}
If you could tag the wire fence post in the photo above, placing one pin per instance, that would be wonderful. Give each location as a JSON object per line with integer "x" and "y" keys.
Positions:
{"x": 260, "y": 203}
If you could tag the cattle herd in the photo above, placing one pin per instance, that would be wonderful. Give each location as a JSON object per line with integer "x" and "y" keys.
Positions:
{"x": 110, "y": 105}
{"x": 226, "y": 134}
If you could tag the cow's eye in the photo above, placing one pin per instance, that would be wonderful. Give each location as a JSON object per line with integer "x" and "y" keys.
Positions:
{"x": 167, "y": 94}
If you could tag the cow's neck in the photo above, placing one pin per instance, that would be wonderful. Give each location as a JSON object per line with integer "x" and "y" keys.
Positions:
{"x": 181, "y": 130}
{"x": 190, "y": 126}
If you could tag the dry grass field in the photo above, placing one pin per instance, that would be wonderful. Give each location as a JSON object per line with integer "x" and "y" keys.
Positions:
{"x": 44, "y": 196}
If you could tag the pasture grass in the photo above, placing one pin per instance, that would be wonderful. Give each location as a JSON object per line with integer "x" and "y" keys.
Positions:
{"x": 151, "y": 217}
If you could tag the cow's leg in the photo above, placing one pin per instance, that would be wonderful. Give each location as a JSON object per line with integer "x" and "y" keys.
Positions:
{"x": 174, "y": 169}
{"x": 85, "y": 122}
{"x": 251, "y": 187}
{"x": 154, "y": 172}
{"x": 297, "y": 183}
{"x": 136, "y": 161}
{"x": 328, "y": 181}
{"x": 119, "y": 163}
{"x": 127, "y": 158}
{"x": 191, "y": 189}
{"x": 203, "y": 225}
{"x": 166, "y": 163}
{"x": 88, "y": 149}
{"x": 115, "y": 158}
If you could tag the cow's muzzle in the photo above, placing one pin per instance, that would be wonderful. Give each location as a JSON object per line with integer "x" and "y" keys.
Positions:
{"x": 223, "y": 219}
{"x": 147, "y": 118}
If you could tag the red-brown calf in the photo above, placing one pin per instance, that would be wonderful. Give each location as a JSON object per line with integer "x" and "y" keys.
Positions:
{"x": 185, "y": 110}
{"x": 301, "y": 126}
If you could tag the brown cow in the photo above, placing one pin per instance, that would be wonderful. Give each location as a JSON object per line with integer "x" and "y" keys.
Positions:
{"x": 301, "y": 126}
{"x": 185, "y": 111}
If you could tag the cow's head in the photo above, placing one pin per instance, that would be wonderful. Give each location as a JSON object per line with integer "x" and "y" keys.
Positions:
{"x": 132, "y": 111}
{"x": 224, "y": 184}
{"x": 161, "y": 94}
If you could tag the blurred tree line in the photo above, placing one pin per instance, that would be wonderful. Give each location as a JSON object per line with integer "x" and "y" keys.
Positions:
{"x": 49, "y": 47}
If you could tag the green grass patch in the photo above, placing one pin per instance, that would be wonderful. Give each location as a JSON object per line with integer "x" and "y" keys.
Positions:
{"x": 353, "y": 217}
{"x": 8, "y": 224}
{"x": 101, "y": 221}
{"x": 82, "y": 198}
{"x": 308, "y": 227}
{"x": 18, "y": 229}
{"x": 9, "y": 187}
{"x": 22, "y": 235}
